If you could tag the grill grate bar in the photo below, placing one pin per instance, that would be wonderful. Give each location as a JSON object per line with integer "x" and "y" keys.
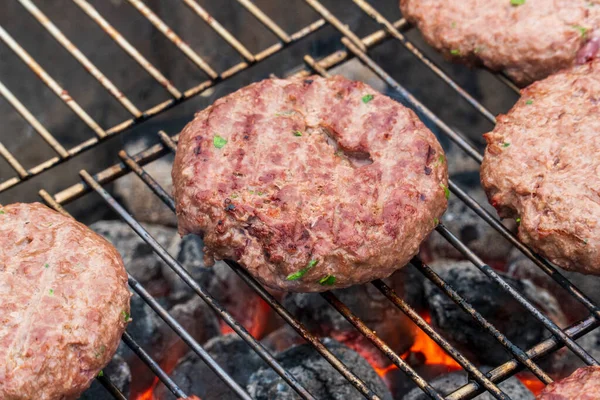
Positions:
{"x": 415, "y": 104}
{"x": 373, "y": 13}
{"x": 486, "y": 269}
{"x": 33, "y": 121}
{"x": 127, "y": 47}
{"x": 266, "y": 296}
{"x": 188, "y": 339}
{"x": 177, "y": 268}
{"x": 153, "y": 365}
{"x": 381, "y": 345}
{"x": 79, "y": 56}
{"x": 13, "y": 162}
{"x": 173, "y": 37}
{"x": 436, "y": 337}
{"x": 112, "y": 389}
{"x": 329, "y": 17}
{"x": 161, "y": 107}
{"x": 224, "y": 33}
{"x": 509, "y": 368}
{"x": 265, "y": 20}
{"x": 469, "y": 309}
{"x": 539, "y": 261}
{"x": 51, "y": 83}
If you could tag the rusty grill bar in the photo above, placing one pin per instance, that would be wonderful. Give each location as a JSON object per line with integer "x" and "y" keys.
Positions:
{"x": 356, "y": 47}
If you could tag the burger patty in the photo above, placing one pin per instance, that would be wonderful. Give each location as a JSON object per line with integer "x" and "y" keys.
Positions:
{"x": 583, "y": 384}
{"x": 310, "y": 184}
{"x": 527, "y": 39}
{"x": 64, "y": 304}
{"x": 542, "y": 166}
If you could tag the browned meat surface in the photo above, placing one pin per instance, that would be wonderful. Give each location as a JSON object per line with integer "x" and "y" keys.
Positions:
{"x": 310, "y": 184}
{"x": 527, "y": 39}
{"x": 583, "y": 384}
{"x": 542, "y": 166}
{"x": 64, "y": 304}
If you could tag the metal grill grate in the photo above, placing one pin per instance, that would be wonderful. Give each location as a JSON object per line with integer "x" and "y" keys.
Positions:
{"x": 356, "y": 47}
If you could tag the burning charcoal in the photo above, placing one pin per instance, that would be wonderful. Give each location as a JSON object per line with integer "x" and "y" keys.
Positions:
{"x": 139, "y": 258}
{"x": 194, "y": 377}
{"x": 590, "y": 343}
{"x": 471, "y": 229}
{"x": 282, "y": 339}
{"x": 521, "y": 267}
{"x": 498, "y": 307}
{"x": 137, "y": 197}
{"x": 160, "y": 341}
{"x": 446, "y": 384}
{"x": 119, "y": 374}
{"x": 221, "y": 281}
{"x": 373, "y": 308}
{"x": 316, "y": 375}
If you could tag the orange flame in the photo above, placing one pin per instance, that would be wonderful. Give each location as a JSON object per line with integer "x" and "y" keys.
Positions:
{"x": 149, "y": 393}
{"x": 257, "y": 325}
{"x": 532, "y": 383}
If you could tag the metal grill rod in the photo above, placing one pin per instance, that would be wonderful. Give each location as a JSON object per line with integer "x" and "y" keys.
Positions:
{"x": 519, "y": 354}
{"x": 436, "y": 337}
{"x": 153, "y": 365}
{"x": 79, "y": 56}
{"x": 173, "y": 37}
{"x": 265, "y": 20}
{"x": 509, "y": 368}
{"x": 111, "y": 388}
{"x": 269, "y": 299}
{"x": 493, "y": 275}
{"x": 177, "y": 268}
{"x": 51, "y": 83}
{"x": 127, "y": 47}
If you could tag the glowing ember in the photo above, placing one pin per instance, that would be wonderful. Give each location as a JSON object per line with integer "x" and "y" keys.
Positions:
{"x": 149, "y": 393}
{"x": 532, "y": 383}
{"x": 431, "y": 352}
{"x": 382, "y": 372}
{"x": 254, "y": 320}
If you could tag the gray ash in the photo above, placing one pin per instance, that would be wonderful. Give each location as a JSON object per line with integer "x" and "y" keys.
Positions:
{"x": 316, "y": 375}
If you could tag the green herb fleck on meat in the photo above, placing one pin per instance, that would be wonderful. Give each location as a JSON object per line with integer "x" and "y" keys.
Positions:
{"x": 51, "y": 291}
{"x": 101, "y": 373}
{"x": 585, "y": 241}
{"x": 455, "y": 52}
{"x": 297, "y": 133}
{"x": 529, "y": 102}
{"x": 479, "y": 49}
{"x": 453, "y": 25}
{"x": 440, "y": 160}
{"x": 2, "y": 212}
{"x": 302, "y": 272}
{"x": 125, "y": 315}
{"x": 327, "y": 280}
{"x": 436, "y": 221}
{"x": 582, "y": 30}
{"x": 518, "y": 220}
{"x": 46, "y": 265}
{"x": 234, "y": 196}
{"x": 446, "y": 190}
{"x": 516, "y": 3}
{"x": 367, "y": 98}
{"x": 100, "y": 351}
{"x": 219, "y": 142}
{"x": 505, "y": 144}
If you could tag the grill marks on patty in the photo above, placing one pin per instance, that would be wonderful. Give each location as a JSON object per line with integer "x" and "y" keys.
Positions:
{"x": 318, "y": 169}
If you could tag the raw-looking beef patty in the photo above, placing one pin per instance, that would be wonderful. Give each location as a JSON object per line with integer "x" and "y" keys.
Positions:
{"x": 542, "y": 166}
{"x": 583, "y": 384}
{"x": 311, "y": 184}
{"x": 527, "y": 39}
{"x": 64, "y": 304}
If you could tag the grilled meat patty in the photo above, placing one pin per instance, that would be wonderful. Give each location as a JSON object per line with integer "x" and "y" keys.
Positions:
{"x": 542, "y": 166}
{"x": 64, "y": 304}
{"x": 311, "y": 184}
{"x": 583, "y": 384}
{"x": 528, "y": 40}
